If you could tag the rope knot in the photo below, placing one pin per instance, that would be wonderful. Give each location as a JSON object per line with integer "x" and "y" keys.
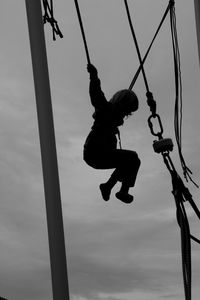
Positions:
{"x": 151, "y": 102}
{"x": 49, "y": 17}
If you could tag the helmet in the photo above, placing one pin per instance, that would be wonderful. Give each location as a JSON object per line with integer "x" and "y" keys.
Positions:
{"x": 125, "y": 100}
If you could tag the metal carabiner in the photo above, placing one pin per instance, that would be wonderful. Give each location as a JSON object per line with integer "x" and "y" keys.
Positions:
{"x": 160, "y": 132}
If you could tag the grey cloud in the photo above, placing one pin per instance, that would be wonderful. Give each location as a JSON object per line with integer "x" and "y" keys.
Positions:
{"x": 24, "y": 283}
{"x": 109, "y": 258}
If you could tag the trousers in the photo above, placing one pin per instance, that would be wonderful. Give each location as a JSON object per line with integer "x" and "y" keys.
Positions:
{"x": 125, "y": 162}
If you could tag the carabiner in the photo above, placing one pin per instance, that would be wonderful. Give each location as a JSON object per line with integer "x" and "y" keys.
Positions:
{"x": 160, "y": 132}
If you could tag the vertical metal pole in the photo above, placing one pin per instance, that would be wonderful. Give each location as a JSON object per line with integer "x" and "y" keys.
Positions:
{"x": 48, "y": 151}
{"x": 197, "y": 15}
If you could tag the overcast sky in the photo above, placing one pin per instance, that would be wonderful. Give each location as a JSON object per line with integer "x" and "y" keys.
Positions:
{"x": 114, "y": 251}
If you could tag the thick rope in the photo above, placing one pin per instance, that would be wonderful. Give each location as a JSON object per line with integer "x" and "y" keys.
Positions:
{"x": 136, "y": 45}
{"x": 182, "y": 194}
{"x": 149, "y": 48}
{"x": 82, "y": 30}
{"x": 187, "y": 195}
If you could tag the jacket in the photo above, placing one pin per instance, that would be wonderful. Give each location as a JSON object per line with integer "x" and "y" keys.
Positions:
{"x": 102, "y": 136}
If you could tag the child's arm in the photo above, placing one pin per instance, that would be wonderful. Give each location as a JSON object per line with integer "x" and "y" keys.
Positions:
{"x": 97, "y": 97}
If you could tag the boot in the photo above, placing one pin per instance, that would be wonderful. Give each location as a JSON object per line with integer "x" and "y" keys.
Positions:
{"x": 105, "y": 191}
{"x": 124, "y": 197}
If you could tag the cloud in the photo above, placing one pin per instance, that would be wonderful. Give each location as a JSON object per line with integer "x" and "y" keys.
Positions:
{"x": 124, "y": 260}
{"x": 118, "y": 257}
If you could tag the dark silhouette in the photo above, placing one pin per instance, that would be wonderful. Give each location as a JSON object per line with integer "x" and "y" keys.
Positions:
{"x": 100, "y": 148}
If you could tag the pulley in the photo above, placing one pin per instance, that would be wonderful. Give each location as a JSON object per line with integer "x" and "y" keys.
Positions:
{"x": 163, "y": 145}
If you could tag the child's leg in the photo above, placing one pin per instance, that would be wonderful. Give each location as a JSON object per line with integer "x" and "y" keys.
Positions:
{"x": 127, "y": 172}
{"x": 107, "y": 186}
{"x": 128, "y": 168}
{"x": 126, "y": 164}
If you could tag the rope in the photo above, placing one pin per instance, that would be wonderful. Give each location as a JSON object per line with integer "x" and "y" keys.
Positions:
{"x": 186, "y": 193}
{"x": 182, "y": 194}
{"x": 82, "y": 30}
{"x": 49, "y": 17}
{"x": 186, "y": 249}
{"x": 149, "y": 48}
{"x": 136, "y": 45}
{"x": 178, "y": 95}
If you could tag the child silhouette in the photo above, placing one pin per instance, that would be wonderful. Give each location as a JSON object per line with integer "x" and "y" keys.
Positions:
{"x": 100, "y": 148}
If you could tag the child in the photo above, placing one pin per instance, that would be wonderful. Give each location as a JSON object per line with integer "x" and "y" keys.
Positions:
{"x": 100, "y": 148}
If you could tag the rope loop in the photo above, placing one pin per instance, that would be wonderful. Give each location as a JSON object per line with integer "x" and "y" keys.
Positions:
{"x": 49, "y": 17}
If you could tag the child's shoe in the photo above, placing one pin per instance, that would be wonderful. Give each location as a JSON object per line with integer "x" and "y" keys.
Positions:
{"x": 124, "y": 197}
{"x": 105, "y": 191}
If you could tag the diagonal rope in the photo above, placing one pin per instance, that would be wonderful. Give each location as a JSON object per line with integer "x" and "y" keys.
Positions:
{"x": 82, "y": 30}
{"x": 136, "y": 45}
{"x": 149, "y": 48}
